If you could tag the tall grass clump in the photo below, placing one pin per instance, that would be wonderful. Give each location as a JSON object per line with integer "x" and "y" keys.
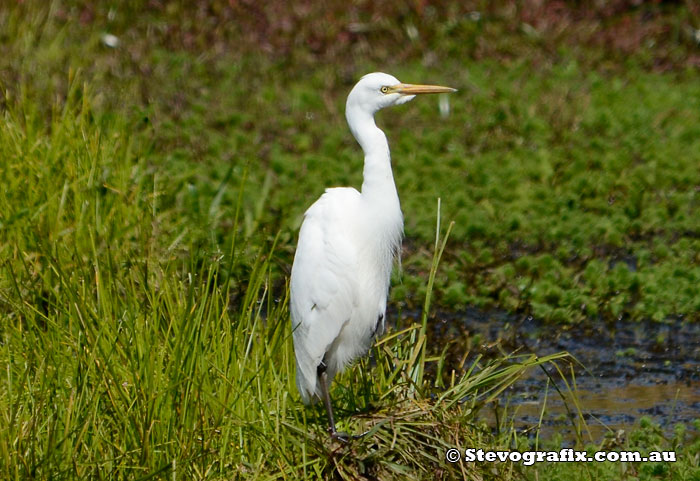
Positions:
{"x": 121, "y": 354}
{"x": 132, "y": 349}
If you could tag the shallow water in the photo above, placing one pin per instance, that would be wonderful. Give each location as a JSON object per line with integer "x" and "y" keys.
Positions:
{"x": 628, "y": 370}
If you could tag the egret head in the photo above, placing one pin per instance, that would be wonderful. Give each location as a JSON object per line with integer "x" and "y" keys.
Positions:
{"x": 377, "y": 90}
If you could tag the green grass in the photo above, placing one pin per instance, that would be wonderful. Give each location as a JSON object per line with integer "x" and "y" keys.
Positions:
{"x": 151, "y": 197}
{"x": 572, "y": 184}
{"x": 125, "y": 360}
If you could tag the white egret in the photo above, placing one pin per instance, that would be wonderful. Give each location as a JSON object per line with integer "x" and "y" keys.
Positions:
{"x": 347, "y": 243}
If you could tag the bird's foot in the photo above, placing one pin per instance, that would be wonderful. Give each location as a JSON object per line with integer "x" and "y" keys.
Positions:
{"x": 341, "y": 436}
{"x": 361, "y": 435}
{"x": 344, "y": 437}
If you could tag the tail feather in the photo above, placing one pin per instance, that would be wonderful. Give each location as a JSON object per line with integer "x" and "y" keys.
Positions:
{"x": 307, "y": 384}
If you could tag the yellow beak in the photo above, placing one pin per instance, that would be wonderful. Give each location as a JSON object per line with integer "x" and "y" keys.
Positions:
{"x": 411, "y": 89}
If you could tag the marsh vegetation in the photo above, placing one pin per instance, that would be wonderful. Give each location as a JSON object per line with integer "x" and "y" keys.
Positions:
{"x": 156, "y": 161}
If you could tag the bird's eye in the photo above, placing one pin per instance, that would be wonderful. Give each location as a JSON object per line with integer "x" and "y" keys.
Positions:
{"x": 384, "y": 89}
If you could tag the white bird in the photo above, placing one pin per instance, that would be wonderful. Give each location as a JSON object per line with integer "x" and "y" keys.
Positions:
{"x": 347, "y": 244}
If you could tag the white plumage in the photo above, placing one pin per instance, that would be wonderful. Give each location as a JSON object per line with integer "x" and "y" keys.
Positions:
{"x": 347, "y": 244}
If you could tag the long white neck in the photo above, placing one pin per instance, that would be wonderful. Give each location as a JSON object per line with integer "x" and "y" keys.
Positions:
{"x": 378, "y": 179}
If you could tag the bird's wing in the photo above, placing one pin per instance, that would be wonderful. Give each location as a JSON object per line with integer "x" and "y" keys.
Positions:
{"x": 324, "y": 287}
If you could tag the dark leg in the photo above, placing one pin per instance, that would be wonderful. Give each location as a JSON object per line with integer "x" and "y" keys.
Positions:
{"x": 323, "y": 379}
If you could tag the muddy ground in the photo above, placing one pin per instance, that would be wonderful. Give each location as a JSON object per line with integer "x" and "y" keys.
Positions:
{"x": 625, "y": 371}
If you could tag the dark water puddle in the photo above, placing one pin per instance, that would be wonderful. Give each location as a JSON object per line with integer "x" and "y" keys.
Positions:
{"x": 626, "y": 371}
